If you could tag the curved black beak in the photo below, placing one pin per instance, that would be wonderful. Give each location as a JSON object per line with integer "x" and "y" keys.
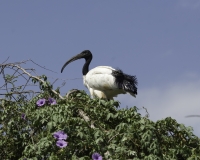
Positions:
{"x": 84, "y": 54}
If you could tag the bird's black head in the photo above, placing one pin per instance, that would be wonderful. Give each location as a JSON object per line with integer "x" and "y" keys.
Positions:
{"x": 84, "y": 54}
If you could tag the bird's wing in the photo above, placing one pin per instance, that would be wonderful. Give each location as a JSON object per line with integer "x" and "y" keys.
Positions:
{"x": 111, "y": 81}
{"x": 101, "y": 78}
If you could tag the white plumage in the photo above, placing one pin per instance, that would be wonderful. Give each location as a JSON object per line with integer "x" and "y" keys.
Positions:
{"x": 104, "y": 81}
{"x": 101, "y": 83}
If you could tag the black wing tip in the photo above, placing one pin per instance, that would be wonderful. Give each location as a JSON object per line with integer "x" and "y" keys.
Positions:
{"x": 131, "y": 78}
{"x": 132, "y": 90}
{"x": 125, "y": 81}
{"x": 118, "y": 72}
{"x": 135, "y": 80}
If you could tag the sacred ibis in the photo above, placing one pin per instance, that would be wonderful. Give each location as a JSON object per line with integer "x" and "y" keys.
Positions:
{"x": 104, "y": 81}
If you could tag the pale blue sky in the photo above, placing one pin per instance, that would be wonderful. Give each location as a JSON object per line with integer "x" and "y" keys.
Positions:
{"x": 158, "y": 41}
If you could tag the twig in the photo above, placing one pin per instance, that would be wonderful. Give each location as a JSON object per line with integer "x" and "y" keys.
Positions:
{"x": 30, "y": 91}
{"x": 42, "y": 67}
{"x": 113, "y": 137}
{"x": 5, "y": 60}
{"x": 86, "y": 118}
{"x": 147, "y": 113}
{"x": 18, "y": 86}
{"x": 37, "y": 79}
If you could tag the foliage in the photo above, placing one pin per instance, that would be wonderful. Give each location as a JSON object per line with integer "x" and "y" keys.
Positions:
{"x": 27, "y": 130}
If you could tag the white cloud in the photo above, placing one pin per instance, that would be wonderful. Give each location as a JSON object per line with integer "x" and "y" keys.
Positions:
{"x": 174, "y": 100}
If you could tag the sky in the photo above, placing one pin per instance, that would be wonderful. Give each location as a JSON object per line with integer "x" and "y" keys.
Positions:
{"x": 158, "y": 41}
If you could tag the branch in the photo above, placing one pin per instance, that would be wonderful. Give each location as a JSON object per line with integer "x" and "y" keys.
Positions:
{"x": 81, "y": 112}
{"x": 5, "y": 60}
{"x": 37, "y": 79}
{"x": 30, "y": 91}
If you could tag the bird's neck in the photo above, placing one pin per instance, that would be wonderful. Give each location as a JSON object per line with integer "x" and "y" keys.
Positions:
{"x": 86, "y": 66}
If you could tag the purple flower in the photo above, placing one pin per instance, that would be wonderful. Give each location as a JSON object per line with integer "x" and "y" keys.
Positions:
{"x": 41, "y": 102}
{"x": 60, "y": 135}
{"x": 23, "y": 116}
{"x": 61, "y": 143}
{"x": 96, "y": 156}
{"x": 52, "y": 101}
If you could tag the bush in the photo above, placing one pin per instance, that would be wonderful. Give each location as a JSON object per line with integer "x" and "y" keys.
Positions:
{"x": 29, "y": 129}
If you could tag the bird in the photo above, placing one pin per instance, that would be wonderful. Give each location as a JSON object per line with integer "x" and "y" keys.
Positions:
{"x": 104, "y": 82}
